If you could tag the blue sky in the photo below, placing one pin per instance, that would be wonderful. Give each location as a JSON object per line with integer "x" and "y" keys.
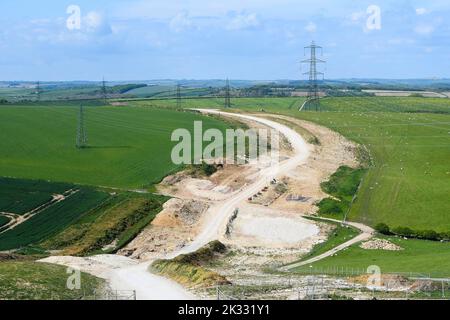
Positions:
{"x": 239, "y": 39}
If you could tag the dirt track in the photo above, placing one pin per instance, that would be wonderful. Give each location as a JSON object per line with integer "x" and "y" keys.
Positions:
{"x": 133, "y": 275}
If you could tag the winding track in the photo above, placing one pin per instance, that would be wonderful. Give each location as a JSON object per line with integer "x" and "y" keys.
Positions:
{"x": 152, "y": 287}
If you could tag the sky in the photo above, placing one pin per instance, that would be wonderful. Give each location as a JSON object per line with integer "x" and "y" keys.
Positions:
{"x": 122, "y": 40}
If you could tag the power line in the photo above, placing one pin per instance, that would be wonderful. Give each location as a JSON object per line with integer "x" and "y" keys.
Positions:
{"x": 178, "y": 96}
{"x": 227, "y": 95}
{"x": 81, "y": 132}
{"x": 38, "y": 91}
{"x": 313, "y": 98}
{"x": 104, "y": 93}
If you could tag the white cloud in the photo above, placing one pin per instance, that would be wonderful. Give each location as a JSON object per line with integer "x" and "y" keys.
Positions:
{"x": 421, "y": 11}
{"x": 424, "y": 29}
{"x": 96, "y": 23}
{"x": 243, "y": 21}
{"x": 311, "y": 27}
{"x": 357, "y": 16}
{"x": 181, "y": 22}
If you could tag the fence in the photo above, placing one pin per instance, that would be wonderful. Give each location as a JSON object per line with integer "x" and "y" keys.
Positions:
{"x": 393, "y": 286}
{"x": 112, "y": 295}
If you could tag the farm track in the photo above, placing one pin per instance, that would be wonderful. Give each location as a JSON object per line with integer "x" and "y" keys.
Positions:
{"x": 17, "y": 219}
{"x": 126, "y": 274}
{"x": 366, "y": 233}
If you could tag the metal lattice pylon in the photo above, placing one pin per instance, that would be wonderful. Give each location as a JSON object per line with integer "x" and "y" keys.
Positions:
{"x": 227, "y": 95}
{"x": 178, "y": 96}
{"x": 313, "y": 98}
{"x": 81, "y": 132}
{"x": 104, "y": 92}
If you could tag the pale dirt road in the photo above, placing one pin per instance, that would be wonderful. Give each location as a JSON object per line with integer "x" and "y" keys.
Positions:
{"x": 152, "y": 287}
{"x": 218, "y": 216}
{"x": 366, "y": 234}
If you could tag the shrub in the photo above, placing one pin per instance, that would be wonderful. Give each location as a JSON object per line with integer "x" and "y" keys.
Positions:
{"x": 428, "y": 235}
{"x": 404, "y": 232}
{"x": 330, "y": 206}
{"x": 383, "y": 228}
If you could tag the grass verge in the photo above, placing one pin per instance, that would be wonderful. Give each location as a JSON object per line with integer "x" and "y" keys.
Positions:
{"x": 191, "y": 269}
{"x": 27, "y": 280}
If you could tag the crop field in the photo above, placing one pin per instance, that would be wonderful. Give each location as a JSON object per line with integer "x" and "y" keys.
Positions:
{"x": 21, "y": 196}
{"x": 52, "y": 219}
{"x": 4, "y": 220}
{"x": 129, "y": 147}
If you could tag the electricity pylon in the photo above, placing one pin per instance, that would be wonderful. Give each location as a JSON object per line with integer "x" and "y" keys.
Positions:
{"x": 104, "y": 94}
{"x": 227, "y": 95}
{"x": 178, "y": 96}
{"x": 81, "y": 132}
{"x": 38, "y": 91}
{"x": 313, "y": 99}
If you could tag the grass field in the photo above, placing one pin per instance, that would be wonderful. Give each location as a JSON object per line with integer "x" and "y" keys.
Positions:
{"x": 26, "y": 280}
{"x": 128, "y": 147}
{"x": 21, "y": 196}
{"x": 118, "y": 221}
{"x": 339, "y": 235}
{"x": 4, "y": 220}
{"x": 409, "y": 183}
{"x": 418, "y": 256}
{"x": 52, "y": 220}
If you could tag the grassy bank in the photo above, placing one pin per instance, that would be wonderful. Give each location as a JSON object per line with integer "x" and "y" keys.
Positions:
{"x": 191, "y": 269}
{"x": 27, "y": 280}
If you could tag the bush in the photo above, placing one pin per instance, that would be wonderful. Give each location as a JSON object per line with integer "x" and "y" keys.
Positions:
{"x": 330, "y": 206}
{"x": 404, "y": 232}
{"x": 383, "y": 228}
{"x": 409, "y": 233}
{"x": 208, "y": 169}
{"x": 428, "y": 235}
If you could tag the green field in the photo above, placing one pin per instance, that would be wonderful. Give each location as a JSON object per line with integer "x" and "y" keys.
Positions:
{"x": 419, "y": 256}
{"x": 4, "y": 221}
{"x": 338, "y": 236}
{"x": 129, "y": 147}
{"x": 26, "y": 280}
{"x": 52, "y": 220}
{"x": 409, "y": 182}
{"x": 118, "y": 220}
{"x": 21, "y": 196}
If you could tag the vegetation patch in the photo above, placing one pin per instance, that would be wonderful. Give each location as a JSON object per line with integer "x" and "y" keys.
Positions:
{"x": 4, "y": 221}
{"x": 343, "y": 186}
{"x": 339, "y": 235}
{"x": 413, "y": 234}
{"x": 429, "y": 258}
{"x": 108, "y": 228}
{"x": 52, "y": 220}
{"x": 27, "y": 280}
{"x": 191, "y": 269}
{"x": 21, "y": 196}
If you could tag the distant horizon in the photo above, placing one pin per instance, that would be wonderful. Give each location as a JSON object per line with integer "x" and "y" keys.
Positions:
{"x": 238, "y": 39}
{"x": 224, "y": 79}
